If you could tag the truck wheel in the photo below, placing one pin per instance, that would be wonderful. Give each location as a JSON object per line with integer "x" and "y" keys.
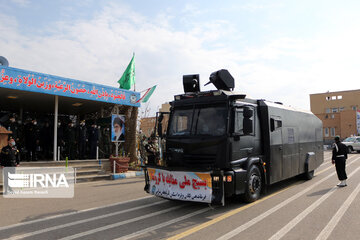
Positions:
{"x": 309, "y": 175}
{"x": 253, "y": 185}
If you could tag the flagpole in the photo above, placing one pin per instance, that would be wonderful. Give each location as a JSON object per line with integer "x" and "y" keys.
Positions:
{"x": 134, "y": 73}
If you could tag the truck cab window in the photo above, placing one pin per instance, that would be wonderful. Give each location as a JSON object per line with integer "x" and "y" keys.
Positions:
{"x": 200, "y": 120}
{"x": 181, "y": 121}
{"x": 275, "y": 123}
{"x": 241, "y": 119}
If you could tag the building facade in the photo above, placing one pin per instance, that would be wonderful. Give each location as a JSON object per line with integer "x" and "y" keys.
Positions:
{"x": 338, "y": 112}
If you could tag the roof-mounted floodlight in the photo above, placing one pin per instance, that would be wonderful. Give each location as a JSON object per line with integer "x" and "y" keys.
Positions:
{"x": 191, "y": 83}
{"x": 222, "y": 80}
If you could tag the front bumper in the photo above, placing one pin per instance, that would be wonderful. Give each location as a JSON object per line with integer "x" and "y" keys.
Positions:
{"x": 185, "y": 185}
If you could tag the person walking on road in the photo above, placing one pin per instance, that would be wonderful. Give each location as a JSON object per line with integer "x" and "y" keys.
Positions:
{"x": 339, "y": 156}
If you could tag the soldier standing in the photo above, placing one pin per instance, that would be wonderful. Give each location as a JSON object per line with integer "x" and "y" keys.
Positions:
{"x": 70, "y": 141}
{"x": 82, "y": 139}
{"x": 93, "y": 140}
{"x": 60, "y": 138}
{"x": 32, "y": 140}
{"x": 13, "y": 127}
{"x": 339, "y": 156}
{"x": 106, "y": 141}
{"x": 46, "y": 139}
{"x": 9, "y": 157}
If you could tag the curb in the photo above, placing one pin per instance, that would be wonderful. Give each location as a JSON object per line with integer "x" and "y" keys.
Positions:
{"x": 126, "y": 175}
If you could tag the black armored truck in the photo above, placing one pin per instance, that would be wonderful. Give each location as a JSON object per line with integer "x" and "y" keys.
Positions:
{"x": 220, "y": 144}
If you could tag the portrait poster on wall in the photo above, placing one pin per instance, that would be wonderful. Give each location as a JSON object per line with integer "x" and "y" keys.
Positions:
{"x": 117, "y": 128}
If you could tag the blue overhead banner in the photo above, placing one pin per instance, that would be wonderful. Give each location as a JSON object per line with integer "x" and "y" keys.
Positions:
{"x": 24, "y": 80}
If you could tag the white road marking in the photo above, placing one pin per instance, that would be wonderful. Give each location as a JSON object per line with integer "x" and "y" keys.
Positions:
{"x": 306, "y": 212}
{"x": 83, "y": 221}
{"x": 82, "y": 234}
{"x": 325, "y": 233}
{"x": 161, "y": 225}
{"x": 69, "y": 214}
{"x": 274, "y": 209}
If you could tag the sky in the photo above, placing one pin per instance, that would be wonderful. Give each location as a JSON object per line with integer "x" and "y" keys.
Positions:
{"x": 279, "y": 50}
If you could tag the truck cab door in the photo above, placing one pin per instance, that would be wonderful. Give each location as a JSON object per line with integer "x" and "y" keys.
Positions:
{"x": 243, "y": 141}
{"x": 276, "y": 149}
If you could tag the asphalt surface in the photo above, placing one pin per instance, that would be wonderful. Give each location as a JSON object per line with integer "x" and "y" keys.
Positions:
{"x": 293, "y": 209}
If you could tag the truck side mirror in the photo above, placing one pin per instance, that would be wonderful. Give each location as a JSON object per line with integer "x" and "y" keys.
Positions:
{"x": 247, "y": 121}
{"x": 159, "y": 126}
{"x": 159, "y": 130}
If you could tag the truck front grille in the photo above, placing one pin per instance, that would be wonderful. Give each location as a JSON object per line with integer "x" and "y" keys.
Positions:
{"x": 199, "y": 160}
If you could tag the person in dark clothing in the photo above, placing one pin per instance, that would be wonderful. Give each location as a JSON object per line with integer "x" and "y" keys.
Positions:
{"x": 13, "y": 127}
{"x": 93, "y": 140}
{"x": 10, "y": 156}
{"x": 339, "y": 156}
{"x": 106, "y": 141}
{"x": 32, "y": 140}
{"x": 82, "y": 137}
{"x": 150, "y": 149}
{"x": 60, "y": 139}
{"x": 46, "y": 139}
{"x": 70, "y": 141}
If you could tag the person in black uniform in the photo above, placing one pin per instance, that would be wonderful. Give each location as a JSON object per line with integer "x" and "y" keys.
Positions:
{"x": 9, "y": 157}
{"x": 82, "y": 137}
{"x": 46, "y": 140}
{"x": 93, "y": 140}
{"x": 33, "y": 140}
{"x": 13, "y": 127}
{"x": 339, "y": 156}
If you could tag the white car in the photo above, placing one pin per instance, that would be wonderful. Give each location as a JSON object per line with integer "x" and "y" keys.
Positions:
{"x": 352, "y": 143}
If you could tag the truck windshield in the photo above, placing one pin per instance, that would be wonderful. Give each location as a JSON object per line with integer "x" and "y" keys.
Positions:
{"x": 198, "y": 121}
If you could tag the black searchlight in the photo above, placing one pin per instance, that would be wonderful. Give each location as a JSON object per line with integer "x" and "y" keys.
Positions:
{"x": 222, "y": 80}
{"x": 191, "y": 83}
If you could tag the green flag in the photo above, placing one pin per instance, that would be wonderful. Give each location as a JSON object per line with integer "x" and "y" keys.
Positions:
{"x": 128, "y": 77}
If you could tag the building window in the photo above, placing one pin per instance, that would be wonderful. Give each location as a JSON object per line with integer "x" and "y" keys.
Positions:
{"x": 333, "y": 98}
{"x": 339, "y": 97}
{"x": 334, "y": 110}
{"x": 353, "y": 108}
{"x": 326, "y": 132}
{"x": 327, "y": 110}
{"x": 328, "y": 98}
{"x": 332, "y": 130}
{"x": 326, "y": 116}
{"x": 332, "y": 116}
{"x": 341, "y": 109}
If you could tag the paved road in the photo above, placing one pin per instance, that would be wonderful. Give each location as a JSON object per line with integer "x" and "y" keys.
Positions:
{"x": 294, "y": 209}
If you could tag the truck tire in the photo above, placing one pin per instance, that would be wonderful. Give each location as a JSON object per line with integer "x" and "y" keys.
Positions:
{"x": 253, "y": 185}
{"x": 308, "y": 175}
